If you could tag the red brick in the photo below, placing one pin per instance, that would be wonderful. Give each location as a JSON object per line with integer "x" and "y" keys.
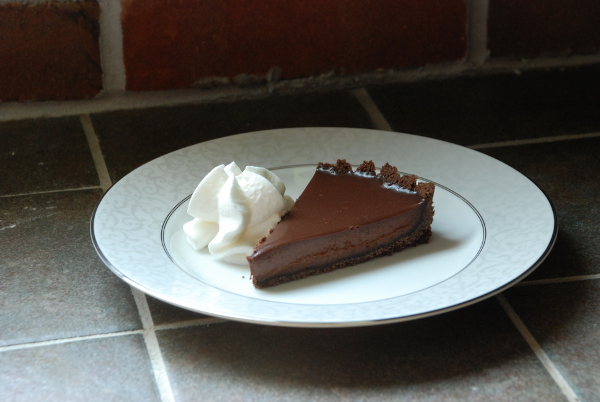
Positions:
{"x": 49, "y": 51}
{"x": 532, "y": 28}
{"x": 175, "y": 43}
{"x": 300, "y": 37}
{"x": 393, "y": 34}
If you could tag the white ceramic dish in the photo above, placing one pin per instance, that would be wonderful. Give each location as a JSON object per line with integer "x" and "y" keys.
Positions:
{"x": 492, "y": 227}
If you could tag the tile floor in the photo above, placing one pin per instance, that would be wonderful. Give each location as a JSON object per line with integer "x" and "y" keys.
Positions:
{"x": 70, "y": 330}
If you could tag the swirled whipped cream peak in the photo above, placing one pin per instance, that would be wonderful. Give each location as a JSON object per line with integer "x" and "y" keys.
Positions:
{"x": 233, "y": 210}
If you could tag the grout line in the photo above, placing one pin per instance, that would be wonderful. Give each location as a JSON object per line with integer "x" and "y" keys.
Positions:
{"x": 477, "y": 31}
{"x": 94, "y": 145}
{"x": 148, "y": 332}
{"x": 67, "y": 340}
{"x": 52, "y": 191}
{"x": 537, "y": 349}
{"x": 539, "y": 140}
{"x": 380, "y": 123}
{"x": 377, "y": 118}
{"x": 559, "y": 280}
{"x": 176, "y": 325}
{"x": 158, "y": 367}
{"x": 154, "y": 352}
{"x": 113, "y": 99}
{"x": 190, "y": 323}
{"x": 111, "y": 46}
{"x": 143, "y": 309}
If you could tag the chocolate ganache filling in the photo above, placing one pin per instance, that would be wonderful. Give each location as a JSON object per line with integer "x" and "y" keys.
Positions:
{"x": 343, "y": 218}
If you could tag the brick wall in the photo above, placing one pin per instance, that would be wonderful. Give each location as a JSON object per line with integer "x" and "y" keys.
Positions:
{"x": 59, "y": 50}
{"x": 49, "y": 51}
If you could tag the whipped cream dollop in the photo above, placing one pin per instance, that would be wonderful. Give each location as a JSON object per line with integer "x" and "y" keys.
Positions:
{"x": 233, "y": 210}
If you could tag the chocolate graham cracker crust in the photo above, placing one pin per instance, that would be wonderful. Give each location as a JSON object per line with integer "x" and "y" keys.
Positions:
{"x": 389, "y": 174}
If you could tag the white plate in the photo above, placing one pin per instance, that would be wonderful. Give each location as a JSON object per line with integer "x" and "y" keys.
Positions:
{"x": 491, "y": 228}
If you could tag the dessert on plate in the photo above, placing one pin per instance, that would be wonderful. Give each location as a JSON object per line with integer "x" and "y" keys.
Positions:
{"x": 344, "y": 218}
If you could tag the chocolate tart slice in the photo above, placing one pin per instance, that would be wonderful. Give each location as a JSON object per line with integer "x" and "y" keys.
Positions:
{"x": 343, "y": 218}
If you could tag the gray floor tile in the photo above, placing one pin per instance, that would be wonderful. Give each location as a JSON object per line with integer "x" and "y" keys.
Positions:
{"x": 569, "y": 173}
{"x": 165, "y": 313}
{"x": 109, "y": 369}
{"x": 472, "y": 354}
{"x": 44, "y": 154}
{"x": 565, "y": 319}
{"x": 131, "y": 138}
{"x": 484, "y": 109}
{"x": 52, "y": 283}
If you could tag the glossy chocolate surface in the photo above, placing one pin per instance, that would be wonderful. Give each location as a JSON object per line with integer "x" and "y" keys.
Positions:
{"x": 336, "y": 202}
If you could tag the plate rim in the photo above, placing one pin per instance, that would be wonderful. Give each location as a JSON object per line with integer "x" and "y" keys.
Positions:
{"x": 319, "y": 324}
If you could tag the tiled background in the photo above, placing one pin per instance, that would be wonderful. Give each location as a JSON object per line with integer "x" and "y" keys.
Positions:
{"x": 70, "y": 330}
{"x": 80, "y": 49}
